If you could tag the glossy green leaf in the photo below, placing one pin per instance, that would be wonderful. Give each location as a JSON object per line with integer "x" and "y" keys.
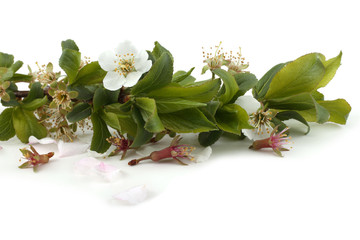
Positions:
{"x": 104, "y": 97}
{"x": 7, "y": 130}
{"x": 90, "y": 74}
{"x": 300, "y": 76}
{"x": 331, "y": 66}
{"x": 69, "y": 44}
{"x": 148, "y": 110}
{"x": 209, "y": 138}
{"x": 286, "y": 115}
{"x": 302, "y": 101}
{"x": 168, "y": 105}
{"x": 159, "y": 50}
{"x": 186, "y": 121}
{"x": 6, "y": 60}
{"x": 70, "y": 61}
{"x": 84, "y": 92}
{"x": 322, "y": 114}
{"x": 26, "y": 125}
{"x": 111, "y": 119}
{"x": 231, "y": 87}
{"x": 232, "y": 118}
{"x": 245, "y": 81}
{"x": 142, "y": 135}
{"x": 203, "y": 91}
{"x": 35, "y": 104}
{"x": 21, "y": 78}
{"x": 35, "y": 92}
{"x": 183, "y": 78}
{"x": 13, "y": 101}
{"x": 159, "y": 76}
{"x": 339, "y": 110}
{"x": 101, "y": 133}
{"x": 79, "y": 112}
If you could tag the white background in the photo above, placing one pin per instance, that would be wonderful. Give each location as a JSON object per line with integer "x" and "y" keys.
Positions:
{"x": 311, "y": 193}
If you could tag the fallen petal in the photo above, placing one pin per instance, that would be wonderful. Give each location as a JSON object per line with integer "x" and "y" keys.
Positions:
{"x": 33, "y": 140}
{"x": 106, "y": 171}
{"x": 70, "y": 149}
{"x": 86, "y": 166}
{"x": 133, "y": 195}
{"x": 1, "y": 147}
{"x": 202, "y": 155}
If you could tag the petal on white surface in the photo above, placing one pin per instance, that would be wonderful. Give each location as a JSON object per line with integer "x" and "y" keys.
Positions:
{"x": 107, "y": 61}
{"x": 133, "y": 195}
{"x": 113, "y": 81}
{"x": 1, "y": 147}
{"x": 248, "y": 103}
{"x": 106, "y": 171}
{"x": 86, "y": 166}
{"x": 125, "y": 48}
{"x": 202, "y": 155}
{"x": 33, "y": 140}
{"x": 132, "y": 78}
{"x": 72, "y": 148}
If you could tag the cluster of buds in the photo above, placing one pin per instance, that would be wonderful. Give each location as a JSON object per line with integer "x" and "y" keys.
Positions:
{"x": 34, "y": 159}
{"x": 61, "y": 96}
{"x": 174, "y": 151}
{"x": 275, "y": 141}
{"x": 234, "y": 62}
{"x": 121, "y": 143}
{"x": 261, "y": 120}
{"x": 46, "y": 74}
{"x": 3, "y": 94}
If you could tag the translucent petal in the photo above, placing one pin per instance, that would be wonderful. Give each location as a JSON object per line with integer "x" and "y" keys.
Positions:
{"x": 33, "y": 140}
{"x": 70, "y": 149}
{"x": 85, "y": 166}
{"x": 113, "y": 81}
{"x": 1, "y": 147}
{"x": 132, "y": 78}
{"x": 107, "y": 61}
{"x": 133, "y": 195}
{"x": 125, "y": 48}
{"x": 106, "y": 171}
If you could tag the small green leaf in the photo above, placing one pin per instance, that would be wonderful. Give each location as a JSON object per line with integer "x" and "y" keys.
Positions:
{"x": 148, "y": 110}
{"x": 231, "y": 87}
{"x": 331, "y": 66}
{"x": 90, "y": 74}
{"x": 69, "y": 44}
{"x": 142, "y": 135}
{"x": 339, "y": 110}
{"x": 168, "y": 105}
{"x": 183, "y": 78}
{"x": 286, "y": 115}
{"x": 159, "y": 76}
{"x": 35, "y": 92}
{"x": 186, "y": 121}
{"x": 79, "y": 112}
{"x": 84, "y": 92}
{"x": 26, "y": 125}
{"x": 70, "y": 61}
{"x": 6, "y": 60}
{"x": 300, "y": 76}
{"x": 101, "y": 133}
{"x": 232, "y": 118}
{"x": 245, "y": 81}
{"x": 7, "y": 130}
{"x": 35, "y": 104}
{"x": 104, "y": 97}
{"x": 111, "y": 119}
{"x": 322, "y": 114}
{"x": 159, "y": 50}
{"x": 12, "y": 102}
{"x": 209, "y": 138}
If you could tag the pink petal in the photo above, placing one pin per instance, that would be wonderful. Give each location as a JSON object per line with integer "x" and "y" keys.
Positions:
{"x": 1, "y": 147}
{"x": 106, "y": 171}
{"x": 71, "y": 149}
{"x": 33, "y": 140}
{"x": 86, "y": 166}
{"x": 133, "y": 195}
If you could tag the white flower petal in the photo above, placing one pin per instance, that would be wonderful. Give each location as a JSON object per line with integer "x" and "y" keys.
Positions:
{"x": 203, "y": 155}
{"x": 252, "y": 134}
{"x": 70, "y": 149}
{"x": 125, "y": 48}
{"x": 86, "y": 166}
{"x": 113, "y": 81}
{"x": 33, "y": 140}
{"x": 145, "y": 67}
{"x": 132, "y": 78}
{"x": 133, "y": 195}
{"x": 140, "y": 58}
{"x": 106, "y": 171}
{"x": 248, "y": 103}
{"x": 107, "y": 61}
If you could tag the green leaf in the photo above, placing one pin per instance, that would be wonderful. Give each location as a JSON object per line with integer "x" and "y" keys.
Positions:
{"x": 35, "y": 104}
{"x": 21, "y": 78}
{"x": 7, "y": 73}
{"x": 142, "y": 135}
{"x": 186, "y": 121}
{"x": 7, "y": 130}
{"x": 13, "y": 101}
{"x": 183, "y": 78}
{"x": 168, "y": 105}
{"x": 26, "y": 125}
{"x": 339, "y": 110}
{"x": 85, "y": 92}
{"x": 148, "y": 110}
{"x": 90, "y": 74}
{"x": 101, "y": 133}
{"x": 119, "y": 108}
{"x": 70, "y": 61}
{"x": 300, "y": 76}
{"x": 69, "y": 44}
{"x": 301, "y": 101}
{"x": 209, "y": 138}
{"x": 263, "y": 84}
{"x": 286, "y": 115}
{"x": 331, "y": 66}
{"x": 231, "y": 87}
{"x": 35, "y": 92}
{"x": 6, "y": 60}
{"x": 322, "y": 115}
{"x": 111, "y": 119}
{"x": 104, "y": 97}
{"x": 245, "y": 81}
{"x": 232, "y": 118}
{"x": 159, "y": 76}
{"x": 203, "y": 91}
{"x": 159, "y": 50}
{"x": 79, "y": 112}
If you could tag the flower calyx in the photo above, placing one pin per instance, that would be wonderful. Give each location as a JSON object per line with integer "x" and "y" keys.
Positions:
{"x": 34, "y": 159}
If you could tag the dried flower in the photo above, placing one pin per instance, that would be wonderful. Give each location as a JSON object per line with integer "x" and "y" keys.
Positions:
{"x": 174, "y": 151}
{"x": 46, "y": 74}
{"x": 214, "y": 61}
{"x": 34, "y": 158}
{"x": 237, "y": 63}
{"x": 121, "y": 143}
{"x": 275, "y": 141}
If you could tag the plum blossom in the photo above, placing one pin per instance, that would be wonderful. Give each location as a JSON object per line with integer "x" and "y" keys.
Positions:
{"x": 133, "y": 195}
{"x": 124, "y": 66}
